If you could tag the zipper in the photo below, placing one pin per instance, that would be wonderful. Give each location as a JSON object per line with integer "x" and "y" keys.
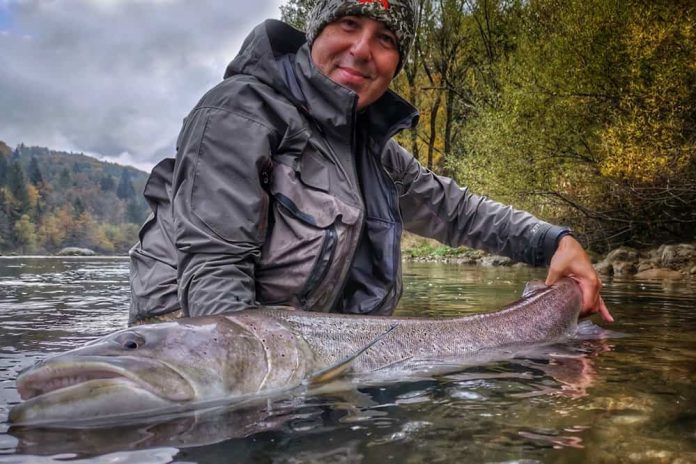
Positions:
{"x": 394, "y": 207}
{"x": 321, "y": 268}
{"x": 288, "y": 204}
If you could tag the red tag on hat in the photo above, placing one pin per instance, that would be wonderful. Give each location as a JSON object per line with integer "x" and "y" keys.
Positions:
{"x": 385, "y": 3}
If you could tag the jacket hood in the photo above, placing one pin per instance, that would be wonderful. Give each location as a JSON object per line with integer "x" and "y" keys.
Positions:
{"x": 277, "y": 54}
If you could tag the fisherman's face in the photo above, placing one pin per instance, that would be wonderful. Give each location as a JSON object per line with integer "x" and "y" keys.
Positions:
{"x": 359, "y": 53}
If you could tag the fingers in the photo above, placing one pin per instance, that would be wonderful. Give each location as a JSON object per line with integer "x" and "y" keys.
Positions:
{"x": 604, "y": 311}
{"x": 597, "y": 305}
{"x": 557, "y": 269}
{"x": 552, "y": 276}
{"x": 571, "y": 260}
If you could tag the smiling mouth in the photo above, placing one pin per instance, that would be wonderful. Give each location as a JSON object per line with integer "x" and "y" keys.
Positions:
{"x": 353, "y": 72}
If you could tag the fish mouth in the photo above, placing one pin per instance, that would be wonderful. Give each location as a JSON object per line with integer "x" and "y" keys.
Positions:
{"x": 99, "y": 387}
{"x": 49, "y": 380}
{"x": 148, "y": 374}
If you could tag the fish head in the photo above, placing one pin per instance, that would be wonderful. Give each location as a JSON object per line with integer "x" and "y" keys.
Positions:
{"x": 141, "y": 369}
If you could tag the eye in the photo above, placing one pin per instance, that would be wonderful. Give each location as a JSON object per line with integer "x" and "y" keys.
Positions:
{"x": 130, "y": 345}
{"x": 349, "y": 23}
{"x": 130, "y": 341}
{"x": 388, "y": 40}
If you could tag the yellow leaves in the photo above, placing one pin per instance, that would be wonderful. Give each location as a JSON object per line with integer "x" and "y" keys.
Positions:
{"x": 648, "y": 140}
{"x": 645, "y": 150}
{"x": 33, "y": 195}
{"x": 431, "y": 127}
{"x": 54, "y": 228}
{"x": 26, "y": 234}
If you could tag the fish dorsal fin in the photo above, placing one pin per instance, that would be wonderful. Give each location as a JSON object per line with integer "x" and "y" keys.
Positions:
{"x": 332, "y": 372}
{"x": 532, "y": 287}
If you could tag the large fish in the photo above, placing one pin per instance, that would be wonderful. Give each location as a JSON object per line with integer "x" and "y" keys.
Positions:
{"x": 192, "y": 361}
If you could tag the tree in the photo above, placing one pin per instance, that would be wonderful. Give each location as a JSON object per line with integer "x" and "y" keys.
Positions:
{"x": 106, "y": 183}
{"x": 34, "y": 172}
{"x": 17, "y": 186}
{"x": 4, "y": 167}
{"x": 296, "y": 12}
{"x": 53, "y": 230}
{"x": 64, "y": 179}
{"x": 135, "y": 213}
{"x": 78, "y": 207}
{"x": 25, "y": 231}
{"x": 6, "y": 229}
{"x": 592, "y": 122}
{"x": 125, "y": 188}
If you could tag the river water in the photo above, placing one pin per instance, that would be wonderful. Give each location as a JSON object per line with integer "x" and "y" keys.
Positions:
{"x": 625, "y": 395}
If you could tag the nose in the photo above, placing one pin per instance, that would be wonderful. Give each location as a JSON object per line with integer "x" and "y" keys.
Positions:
{"x": 361, "y": 47}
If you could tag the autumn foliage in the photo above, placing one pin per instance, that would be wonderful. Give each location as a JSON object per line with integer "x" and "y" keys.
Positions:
{"x": 581, "y": 111}
{"x": 50, "y": 200}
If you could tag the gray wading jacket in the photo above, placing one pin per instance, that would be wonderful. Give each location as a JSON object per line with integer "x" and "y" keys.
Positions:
{"x": 282, "y": 194}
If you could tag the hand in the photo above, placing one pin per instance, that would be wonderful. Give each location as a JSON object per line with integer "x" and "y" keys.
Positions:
{"x": 570, "y": 260}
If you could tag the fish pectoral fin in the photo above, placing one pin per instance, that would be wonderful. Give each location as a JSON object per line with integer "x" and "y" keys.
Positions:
{"x": 332, "y": 372}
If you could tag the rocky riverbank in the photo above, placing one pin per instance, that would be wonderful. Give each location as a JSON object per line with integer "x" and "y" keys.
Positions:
{"x": 663, "y": 262}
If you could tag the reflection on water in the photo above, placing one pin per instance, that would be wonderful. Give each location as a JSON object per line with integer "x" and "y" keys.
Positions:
{"x": 615, "y": 398}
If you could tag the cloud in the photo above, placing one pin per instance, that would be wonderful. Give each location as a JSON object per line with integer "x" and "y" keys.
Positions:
{"x": 114, "y": 77}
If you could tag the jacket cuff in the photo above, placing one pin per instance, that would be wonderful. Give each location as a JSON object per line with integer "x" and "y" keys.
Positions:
{"x": 549, "y": 243}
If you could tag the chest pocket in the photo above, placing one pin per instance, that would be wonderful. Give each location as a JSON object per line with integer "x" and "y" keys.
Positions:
{"x": 303, "y": 260}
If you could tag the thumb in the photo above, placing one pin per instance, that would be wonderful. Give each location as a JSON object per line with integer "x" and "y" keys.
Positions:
{"x": 553, "y": 275}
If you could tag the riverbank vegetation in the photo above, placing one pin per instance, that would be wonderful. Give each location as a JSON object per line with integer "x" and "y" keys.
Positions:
{"x": 50, "y": 200}
{"x": 580, "y": 111}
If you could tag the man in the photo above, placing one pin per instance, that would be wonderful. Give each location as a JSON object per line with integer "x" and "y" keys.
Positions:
{"x": 288, "y": 189}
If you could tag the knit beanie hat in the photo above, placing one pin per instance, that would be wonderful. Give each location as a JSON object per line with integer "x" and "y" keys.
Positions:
{"x": 398, "y": 15}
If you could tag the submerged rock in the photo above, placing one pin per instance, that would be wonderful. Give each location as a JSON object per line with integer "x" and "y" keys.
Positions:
{"x": 495, "y": 260}
{"x": 76, "y": 251}
{"x": 659, "y": 273}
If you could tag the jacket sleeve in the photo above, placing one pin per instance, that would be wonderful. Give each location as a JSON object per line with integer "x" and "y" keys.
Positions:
{"x": 436, "y": 207}
{"x": 220, "y": 208}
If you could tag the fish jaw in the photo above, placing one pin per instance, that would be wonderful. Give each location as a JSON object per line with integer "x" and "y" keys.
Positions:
{"x": 97, "y": 388}
{"x": 88, "y": 401}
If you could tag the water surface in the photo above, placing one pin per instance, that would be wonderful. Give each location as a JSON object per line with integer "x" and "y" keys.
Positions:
{"x": 615, "y": 399}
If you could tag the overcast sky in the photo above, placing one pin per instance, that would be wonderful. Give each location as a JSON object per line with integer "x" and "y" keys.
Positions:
{"x": 114, "y": 78}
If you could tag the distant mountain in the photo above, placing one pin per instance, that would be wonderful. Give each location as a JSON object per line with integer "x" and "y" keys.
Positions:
{"x": 51, "y": 199}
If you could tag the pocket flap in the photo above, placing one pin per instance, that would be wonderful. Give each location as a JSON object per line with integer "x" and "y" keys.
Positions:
{"x": 313, "y": 172}
{"x": 313, "y": 206}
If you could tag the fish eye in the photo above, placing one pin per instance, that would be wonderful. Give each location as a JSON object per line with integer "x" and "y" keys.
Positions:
{"x": 130, "y": 344}
{"x": 130, "y": 341}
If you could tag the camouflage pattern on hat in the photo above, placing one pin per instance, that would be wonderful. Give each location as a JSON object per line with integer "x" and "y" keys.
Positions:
{"x": 398, "y": 15}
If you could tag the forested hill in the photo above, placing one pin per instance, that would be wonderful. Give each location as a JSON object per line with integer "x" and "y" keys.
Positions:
{"x": 51, "y": 199}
